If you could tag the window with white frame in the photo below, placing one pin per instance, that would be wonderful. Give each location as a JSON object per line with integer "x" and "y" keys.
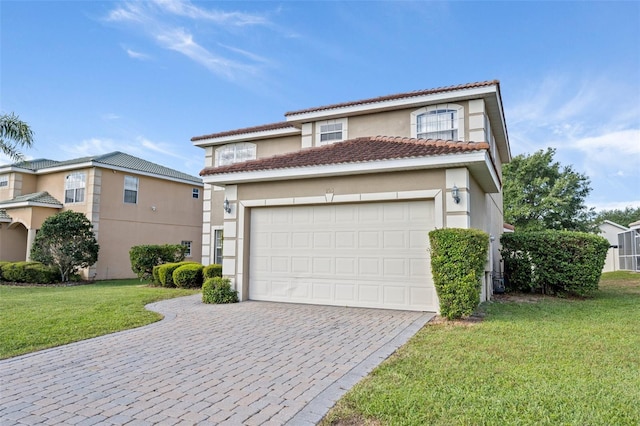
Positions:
{"x": 438, "y": 122}
{"x": 195, "y": 193}
{"x": 187, "y": 244}
{"x": 4, "y": 180}
{"x": 74, "y": 187}
{"x": 331, "y": 131}
{"x": 235, "y": 153}
{"x": 130, "y": 189}
{"x": 217, "y": 247}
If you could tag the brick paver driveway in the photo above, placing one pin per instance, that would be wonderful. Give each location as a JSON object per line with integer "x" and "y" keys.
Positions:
{"x": 250, "y": 363}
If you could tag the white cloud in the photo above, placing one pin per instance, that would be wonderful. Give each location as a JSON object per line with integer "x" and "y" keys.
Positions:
{"x": 615, "y": 205}
{"x": 110, "y": 116}
{"x": 137, "y": 55}
{"x": 159, "y": 147}
{"x": 172, "y": 25}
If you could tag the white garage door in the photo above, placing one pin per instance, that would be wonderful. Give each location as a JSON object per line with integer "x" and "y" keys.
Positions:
{"x": 367, "y": 255}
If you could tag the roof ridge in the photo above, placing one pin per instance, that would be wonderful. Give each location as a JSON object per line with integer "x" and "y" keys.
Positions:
{"x": 401, "y": 95}
{"x": 246, "y": 130}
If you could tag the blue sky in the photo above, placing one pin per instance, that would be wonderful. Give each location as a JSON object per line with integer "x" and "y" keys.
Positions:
{"x": 144, "y": 77}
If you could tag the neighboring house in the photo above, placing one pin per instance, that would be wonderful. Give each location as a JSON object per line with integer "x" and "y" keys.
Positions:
{"x": 128, "y": 200}
{"x": 334, "y": 205}
{"x": 610, "y": 231}
{"x": 629, "y": 247}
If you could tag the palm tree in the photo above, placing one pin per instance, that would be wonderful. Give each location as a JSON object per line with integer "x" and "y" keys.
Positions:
{"x": 14, "y": 133}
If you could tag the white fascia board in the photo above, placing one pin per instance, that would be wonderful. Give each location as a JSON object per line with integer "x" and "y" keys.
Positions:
{"x": 407, "y": 102}
{"x": 10, "y": 169}
{"x": 265, "y": 134}
{"x": 479, "y": 159}
{"x": 92, "y": 164}
{"x": 30, "y": 204}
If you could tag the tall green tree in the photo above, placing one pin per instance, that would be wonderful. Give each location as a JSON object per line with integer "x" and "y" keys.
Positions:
{"x": 621, "y": 217}
{"x": 14, "y": 134}
{"x": 66, "y": 241}
{"x": 540, "y": 193}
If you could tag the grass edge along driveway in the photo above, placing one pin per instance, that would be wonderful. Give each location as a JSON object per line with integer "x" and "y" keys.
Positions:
{"x": 542, "y": 361}
{"x": 35, "y": 318}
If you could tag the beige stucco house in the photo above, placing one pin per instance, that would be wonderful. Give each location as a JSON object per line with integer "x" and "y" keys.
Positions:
{"x": 128, "y": 200}
{"x": 334, "y": 204}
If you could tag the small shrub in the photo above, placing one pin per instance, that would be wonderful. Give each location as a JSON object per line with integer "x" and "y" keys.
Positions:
{"x": 212, "y": 271}
{"x": 458, "y": 257}
{"x": 30, "y": 272}
{"x": 143, "y": 258}
{"x": 155, "y": 278}
{"x": 554, "y": 262}
{"x": 188, "y": 276}
{"x": 218, "y": 290}
{"x": 2, "y": 264}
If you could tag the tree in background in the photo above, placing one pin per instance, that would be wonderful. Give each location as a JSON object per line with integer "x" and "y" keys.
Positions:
{"x": 541, "y": 194}
{"x": 14, "y": 134}
{"x": 621, "y": 217}
{"x": 66, "y": 241}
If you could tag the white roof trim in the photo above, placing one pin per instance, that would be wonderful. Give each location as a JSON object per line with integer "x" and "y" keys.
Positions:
{"x": 479, "y": 163}
{"x": 30, "y": 204}
{"x": 406, "y": 102}
{"x": 248, "y": 136}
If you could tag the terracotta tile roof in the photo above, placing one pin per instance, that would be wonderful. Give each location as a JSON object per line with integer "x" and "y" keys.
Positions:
{"x": 363, "y": 149}
{"x": 246, "y": 130}
{"x": 396, "y": 96}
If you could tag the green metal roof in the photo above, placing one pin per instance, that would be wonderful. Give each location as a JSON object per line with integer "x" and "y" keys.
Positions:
{"x": 113, "y": 159}
{"x": 42, "y": 197}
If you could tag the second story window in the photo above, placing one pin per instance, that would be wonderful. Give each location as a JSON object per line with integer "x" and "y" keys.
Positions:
{"x": 438, "y": 124}
{"x": 331, "y": 131}
{"x": 235, "y": 153}
{"x": 195, "y": 193}
{"x": 74, "y": 188}
{"x": 4, "y": 180}
{"x": 130, "y": 190}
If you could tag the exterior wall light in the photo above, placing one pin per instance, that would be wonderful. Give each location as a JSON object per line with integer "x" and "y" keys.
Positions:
{"x": 226, "y": 206}
{"x": 455, "y": 193}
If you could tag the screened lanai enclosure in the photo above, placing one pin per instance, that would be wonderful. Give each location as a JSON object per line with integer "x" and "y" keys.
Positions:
{"x": 629, "y": 249}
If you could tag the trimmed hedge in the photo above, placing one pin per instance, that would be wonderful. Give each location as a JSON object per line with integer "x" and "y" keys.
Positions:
{"x": 2, "y": 264}
{"x": 29, "y": 272}
{"x": 188, "y": 276}
{"x": 218, "y": 290}
{"x": 165, "y": 273}
{"x": 458, "y": 257}
{"x": 143, "y": 258}
{"x": 212, "y": 271}
{"x": 553, "y": 262}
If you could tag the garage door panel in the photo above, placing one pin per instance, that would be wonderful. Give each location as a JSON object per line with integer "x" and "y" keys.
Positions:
{"x": 368, "y": 255}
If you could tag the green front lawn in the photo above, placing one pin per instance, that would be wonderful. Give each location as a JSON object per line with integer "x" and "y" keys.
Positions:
{"x": 34, "y": 318}
{"x": 547, "y": 361}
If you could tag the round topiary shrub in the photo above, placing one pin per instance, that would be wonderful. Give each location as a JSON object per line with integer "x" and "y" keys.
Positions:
{"x": 188, "y": 276}
{"x": 218, "y": 290}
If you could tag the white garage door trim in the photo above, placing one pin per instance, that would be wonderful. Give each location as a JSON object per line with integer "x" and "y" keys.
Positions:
{"x": 357, "y": 254}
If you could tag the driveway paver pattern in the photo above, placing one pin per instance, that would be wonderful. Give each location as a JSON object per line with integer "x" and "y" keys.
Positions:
{"x": 251, "y": 363}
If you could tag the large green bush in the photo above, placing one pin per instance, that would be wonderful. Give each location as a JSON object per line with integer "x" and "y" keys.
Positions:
{"x": 211, "y": 271}
{"x": 29, "y": 272}
{"x": 2, "y": 264}
{"x": 143, "y": 258}
{"x": 554, "y": 262}
{"x": 458, "y": 257}
{"x": 218, "y": 290}
{"x": 188, "y": 276}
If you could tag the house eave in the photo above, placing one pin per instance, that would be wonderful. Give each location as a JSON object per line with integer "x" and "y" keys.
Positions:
{"x": 479, "y": 164}
{"x": 23, "y": 204}
{"x": 242, "y": 137}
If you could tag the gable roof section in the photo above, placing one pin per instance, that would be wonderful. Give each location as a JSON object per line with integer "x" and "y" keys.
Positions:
{"x": 362, "y": 155}
{"x": 36, "y": 199}
{"x": 395, "y": 97}
{"x": 114, "y": 160}
{"x": 4, "y": 216}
